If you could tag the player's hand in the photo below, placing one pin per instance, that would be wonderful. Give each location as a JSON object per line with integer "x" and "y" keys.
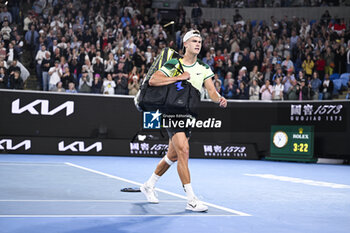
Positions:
{"x": 222, "y": 102}
{"x": 184, "y": 76}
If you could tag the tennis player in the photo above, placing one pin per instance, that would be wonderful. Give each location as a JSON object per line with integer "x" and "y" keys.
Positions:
{"x": 196, "y": 72}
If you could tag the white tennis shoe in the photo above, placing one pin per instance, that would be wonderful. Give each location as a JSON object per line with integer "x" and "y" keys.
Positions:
{"x": 196, "y": 205}
{"x": 150, "y": 194}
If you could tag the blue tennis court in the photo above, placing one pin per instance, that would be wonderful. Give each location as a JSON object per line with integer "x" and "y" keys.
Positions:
{"x": 44, "y": 193}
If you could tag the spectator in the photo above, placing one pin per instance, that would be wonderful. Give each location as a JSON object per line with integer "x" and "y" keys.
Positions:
{"x": 292, "y": 91}
{"x": 45, "y": 66}
{"x": 133, "y": 85}
{"x": 287, "y": 82}
{"x": 67, "y": 78}
{"x": 3, "y": 78}
{"x": 121, "y": 84}
{"x": 85, "y": 82}
{"x": 108, "y": 85}
{"x": 71, "y": 88}
{"x": 58, "y": 88}
{"x": 230, "y": 89}
{"x": 303, "y": 90}
{"x": 266, "y": 91}
{"x": 254, "y": 90}
{"x": 15, "y": 81}
{"x": 96, "y": 84}
{"x": 320, "y": 64}
{"x": 340, "y": 60}
{"x": 327, "y": 88}
{"x": 55, "y": 74}
{"x": 308, "y": 66}
{"x": 209, "y": 60}
{"x": 196, "y": 14}
{"x": 314, "y": 86}
{"x": 277, "y": 90}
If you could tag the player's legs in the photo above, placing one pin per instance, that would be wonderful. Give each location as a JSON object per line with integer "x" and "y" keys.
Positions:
{"x": 180, "y": 143}
{"x": 181, "y": 146}
{"x": 166, "y": 161}
{"x": 148, "y": 187}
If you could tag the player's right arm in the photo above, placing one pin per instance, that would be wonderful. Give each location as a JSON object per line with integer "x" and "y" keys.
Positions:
{"x": 160, "y": 79}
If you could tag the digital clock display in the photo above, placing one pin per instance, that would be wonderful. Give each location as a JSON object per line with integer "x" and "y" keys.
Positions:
{"x": 301, "y": 147}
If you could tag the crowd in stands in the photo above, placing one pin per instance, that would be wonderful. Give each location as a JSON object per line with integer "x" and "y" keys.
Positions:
{"x": 268, "y": 3}
{"x": 101, "y": 46}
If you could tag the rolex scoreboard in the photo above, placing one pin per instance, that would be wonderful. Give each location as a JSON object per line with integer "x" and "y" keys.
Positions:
{"x": 292, "y": 143}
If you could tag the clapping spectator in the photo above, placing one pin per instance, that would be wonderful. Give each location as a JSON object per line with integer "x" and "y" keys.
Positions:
{"x": 303, "y": 90}
{"x": 55, "y": 74}
{"x": 133, "y": 85}
{"x": 67, "y": 78}
{"x": 277, "y": 93}
{"x": 266, "y": 91}
{"x": 254, "y": 90}
{"x": 327, "y": 88}
{"x": 121, "y": 84}
{"x": 108, "y": 85}
{"x": 85, "y": 82}
{"x": 96, "y": 84}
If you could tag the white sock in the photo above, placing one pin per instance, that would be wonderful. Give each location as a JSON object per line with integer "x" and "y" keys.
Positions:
{"x": 189, "y": 191}
{"x": 151, "y": 182}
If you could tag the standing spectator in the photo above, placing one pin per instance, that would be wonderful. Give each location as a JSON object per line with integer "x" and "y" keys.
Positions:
{"x": 320, "y": 65}
{"x": 292, "y": 91}
{"x": 121, "y": 84}
{"x": 109, "y": 64}
{"x": 230, "y": 89}
{"x": 196, "y": 14}
{"x": 254, "y": 90}
{"x": 278, "y": 74}
{"x": 287, "y": 64}
{"x": 39, "y": 58}
{"x": 329, "y": 58}
{"x": 108, "y": 85}
{"x": 45, "y": 66}
{"x": 277, "y": 90}
{"x": 209, "y": 60}
{"x": 85, "y": 82}
{"x": 55, "y": 74}
{"x": 340, "y": 61}
{"x": 31, "y": 37}
{"x": 314, "y": 86}
{"x": 266, "y": 91}
{"x": 303, "y": 90}
{"x": 133, "y": 86}
{"x": 15, "y": 80}
{"x": 327, "y": 88}
{"x": 287, "y": 81}
{"x": 242, "y": 91}
{"x": 67, "y": 78}
{"x": 96, "y": 84}
{"x": 308, "y": 66}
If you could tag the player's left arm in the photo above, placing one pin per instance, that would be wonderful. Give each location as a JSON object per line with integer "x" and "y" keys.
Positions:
{"x": 213, "y": 94}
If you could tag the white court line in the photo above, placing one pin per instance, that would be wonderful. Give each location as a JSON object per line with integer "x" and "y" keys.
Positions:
{"x": 30, "y": 164}
{"x": 127, "y": 201}
{"x": 301, "y": 181}
{"x": 115, "y": 215}
{"x": 159, "y": 190}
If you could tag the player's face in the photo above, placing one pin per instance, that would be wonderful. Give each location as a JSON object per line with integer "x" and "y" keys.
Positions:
{"x": 194, "y": 45}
